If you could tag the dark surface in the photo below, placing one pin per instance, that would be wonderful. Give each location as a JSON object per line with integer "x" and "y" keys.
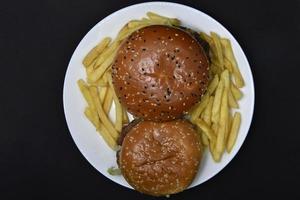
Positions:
{"x": 39, "y": 159}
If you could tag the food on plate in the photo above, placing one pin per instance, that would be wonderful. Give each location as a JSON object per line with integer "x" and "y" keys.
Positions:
{"x": 160, "y": 72}
{"x": 223, "y": 90}
{"x": 235, "y": 125}
{"x": 183, "y": 88}
{"x": 160, "y": 158}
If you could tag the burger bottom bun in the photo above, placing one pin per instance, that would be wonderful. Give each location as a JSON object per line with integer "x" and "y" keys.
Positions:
{"x": 160, "y": 158}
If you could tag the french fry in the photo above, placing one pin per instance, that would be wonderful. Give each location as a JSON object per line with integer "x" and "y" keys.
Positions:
{"x": 226, "y": 79}
{"x": 206, "y": 129}
{"x": 213, "y": 84}
{"x": 102, "y": 82}
{"x": 204, "y": 139}
{"x": 92, "y": 116}
{"x": 86, "y": 93}
{"x": 129, "y": 31}
{"x": 102, "y": 115}
{"x": 220, "y": 142}
{"x": 119, "y": 114}
{"x": 217, "y": 103}
{"x": 236, "y": 122}
{"x": 119, "y": 109}
{"x": 231, "y": 100}
{"x": 107, "y": 137}
{"x": 196, "y": 111}
{"x": 206, "y": 37}
{"x": 102, "y": 94}
{"x": 98, "y": 73}
{"x": 125, "y": 119}
{"x": 228, "y": 52}
{"x": 134, "y": 23}
{"x": 228, "y": 127}
{"x": 89, "y": 69}
{"x": 171, "y": 21}
{"x": 236, "y": 92}
{"x": 214, "y": 127}
{"x": 145, "y": 22}
{"x": 228, "y": 64}
{"x": 106, "y": 53}
{"x": 217, "y": 44}
{"x": 213, "y": 152}
{"x": 91, "y": 56}
{"x": 206, "y": 115}
{"x": 108, "y": 101}
{"x": 131, "y": 27}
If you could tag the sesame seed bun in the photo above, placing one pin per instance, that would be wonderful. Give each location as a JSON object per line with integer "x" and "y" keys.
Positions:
{"x": 160, "y": 158}
{"x": 160, "y": 72}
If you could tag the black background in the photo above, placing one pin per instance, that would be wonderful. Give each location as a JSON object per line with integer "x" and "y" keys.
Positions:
{"x": 38, "y": 158}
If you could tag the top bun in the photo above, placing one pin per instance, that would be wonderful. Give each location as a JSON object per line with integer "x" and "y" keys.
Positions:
{"x": 160, "y": 72}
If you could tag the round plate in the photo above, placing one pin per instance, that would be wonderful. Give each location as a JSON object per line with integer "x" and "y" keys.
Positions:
{"x": 89, "y": 142}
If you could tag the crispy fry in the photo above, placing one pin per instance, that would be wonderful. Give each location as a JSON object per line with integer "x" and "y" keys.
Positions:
{"x": 106, "y": 53}
{"x": 102, "y": 94}
{"x": 85, "y": 92}
{"x": 206, "y": 37}
{"x": 102, "y": 115}
{"x": 217, "y": 44}
{"x": 102, "y": 82}
{"x": 206, "y": 115}
{"x": 213, "y": 84}
{"x": 220, "y": 142}
{"x": 206, "y": 129}
{"x": 107, "y": 137}
{"x": 228, "y": 64}
{"x": 195, "y": 113}
{"x": 201, "y": 137}
{"x": 217, "y": 103}
{"x": 91, "y": 56}
{"x": 134, "y": 23}
{"x": 228, "y": 52}
{"x": 92, "y": 116}
{"x": 108, "y": 101}
{"x": 228, "y": 127}
{"x": 125, "y": 119}
{"x": 236, "y": 122}
{"x": 236, "y": 92}
{"x": 231, "y": 100}
{"x": 225, "y": 78}
{"x": 215, "y": 69}
{"x": 89, "y": 69}
{"x": 204, "y": 139}
{"x": 119, "y": 109}
{"x": 98, "y": 73}
{"x": 213, "y": 152}
{"x": 170, "y": 21}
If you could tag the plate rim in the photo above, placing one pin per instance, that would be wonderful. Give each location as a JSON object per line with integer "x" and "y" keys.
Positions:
{"x": 252, "y": 87}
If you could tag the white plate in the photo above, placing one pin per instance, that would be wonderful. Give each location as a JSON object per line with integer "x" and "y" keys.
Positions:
{"x": 88, "y": 140}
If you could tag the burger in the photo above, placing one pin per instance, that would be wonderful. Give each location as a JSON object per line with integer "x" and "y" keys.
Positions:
{"x": 159, "y": 158}
{"x": 160, "y": 72}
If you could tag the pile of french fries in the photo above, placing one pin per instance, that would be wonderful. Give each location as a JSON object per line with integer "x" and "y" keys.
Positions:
{"x": 213, "y": 115}
{"x": 98, "y": 90}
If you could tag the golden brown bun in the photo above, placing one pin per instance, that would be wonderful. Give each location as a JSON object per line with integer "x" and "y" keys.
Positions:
{"x": 160, "y": 72}
{"x": 160, "y": 158}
